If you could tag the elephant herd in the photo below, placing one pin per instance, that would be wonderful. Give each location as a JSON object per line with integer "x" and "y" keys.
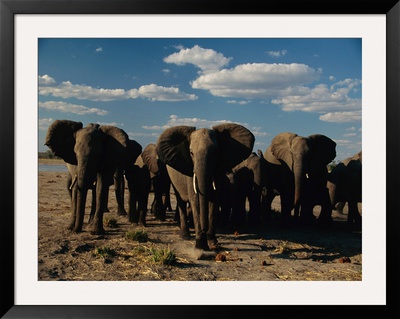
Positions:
{"x": 213, "y": 172}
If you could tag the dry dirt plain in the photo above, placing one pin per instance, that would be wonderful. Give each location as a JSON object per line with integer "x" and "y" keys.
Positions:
{"x": 268, "y": 254}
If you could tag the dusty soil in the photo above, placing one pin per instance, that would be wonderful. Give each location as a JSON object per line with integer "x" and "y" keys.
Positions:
{"x": 270, "y": 253}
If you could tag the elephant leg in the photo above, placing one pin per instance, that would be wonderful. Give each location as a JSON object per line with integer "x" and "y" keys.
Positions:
{"x": 238, "y": 219}
{"x": 119, "y": 184}
{"x": 200, "y": 235}
{"x": 266, "y": 204}
{"x": 101, "y": 196}
{"x": 80, "y": 212}
{"x": 143, "y": 209}
{"x": 286, "y": 208}
{"x": 254, "y": 199}
{"x": 211, "y": 237}
{"x": 93, "y": 206}
{"x": 106, "y": 209}
{"x": 184, "y": 232}
{"x": 74, "y": 201}
{"x": 354, "y": 217}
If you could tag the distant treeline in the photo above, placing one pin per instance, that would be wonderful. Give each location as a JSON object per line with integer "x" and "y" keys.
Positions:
{"x": 47, "y": 154}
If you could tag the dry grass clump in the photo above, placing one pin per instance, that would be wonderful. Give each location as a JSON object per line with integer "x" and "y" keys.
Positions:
{"x": 139, "y": 235}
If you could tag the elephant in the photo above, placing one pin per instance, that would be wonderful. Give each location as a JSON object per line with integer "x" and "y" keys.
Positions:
{"x": 139, "y": 185}
{"x": 196, "y": 160}
{"x": 295, "y": 164}
{"x": 345, "y": 185}
{"x": 160, "y": 181}
{"x": 96, "y": 151}
{"x": 246, "y": 181}
{"x": 133, "y": 151}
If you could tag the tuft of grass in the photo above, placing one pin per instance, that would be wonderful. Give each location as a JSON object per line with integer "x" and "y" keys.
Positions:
{"x": 110, "y": 222}
{"x": 163, "y": 256}
{"x": 105, "y": 252}
{"x": 139, "y": 235}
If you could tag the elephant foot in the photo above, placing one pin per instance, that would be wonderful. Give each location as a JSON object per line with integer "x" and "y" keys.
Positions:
{"x": 202, "y": 244}
{"x": 97, "y": 231}
{"x": 142, "y": 224}
{"x": 212, "y": 242}
{"x": 185, "y": 235}
{"x": 122, "y": 213}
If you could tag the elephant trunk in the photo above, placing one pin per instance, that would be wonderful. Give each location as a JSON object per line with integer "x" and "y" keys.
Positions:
{"x": 203, "y": 186}
{"x": 299, "y": 180}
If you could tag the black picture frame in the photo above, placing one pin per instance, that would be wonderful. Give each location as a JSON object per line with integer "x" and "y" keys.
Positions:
{"x": 9, "y": 8}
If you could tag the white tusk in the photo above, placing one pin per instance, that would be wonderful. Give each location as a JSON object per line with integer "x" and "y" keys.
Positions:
{"x": 194, "y": 183}
{"x": 213, "y": 184}
{"x": 73, "y": 181}
{"x": 307, "y": 176}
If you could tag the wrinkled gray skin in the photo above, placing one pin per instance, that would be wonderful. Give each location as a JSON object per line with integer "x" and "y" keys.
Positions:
{"x": 96, "y": 152}
{"x": 160, "y": 181}
{"x": 246, "y": 181}
{"x": 345, "y": 185}
{"x": 196, "y": 160}
{"x": 291, "y": 160}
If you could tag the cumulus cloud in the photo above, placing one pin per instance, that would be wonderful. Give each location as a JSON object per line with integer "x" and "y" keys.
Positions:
{"x": 258, "y": 80}
{"x": 159, "y": 93}
{"x": 45, "y": 80}
{"x": 207, "y": 60}
{"x": 70, "y": 108}
{"x": 84, "y": 92}
{"x": 341, "y": 117}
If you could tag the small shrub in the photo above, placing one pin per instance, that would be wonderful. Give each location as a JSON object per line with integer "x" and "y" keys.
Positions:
{"x": 139, "y": 235}
{"x": 110, "y": 222}
{"x": 162, "y": 256}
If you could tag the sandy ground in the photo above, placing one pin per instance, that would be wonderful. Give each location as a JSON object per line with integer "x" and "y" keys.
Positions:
{"x": 268, "y": 254}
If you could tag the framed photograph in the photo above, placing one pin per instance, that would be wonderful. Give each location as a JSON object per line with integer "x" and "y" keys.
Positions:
{"x": 146, "y": 71}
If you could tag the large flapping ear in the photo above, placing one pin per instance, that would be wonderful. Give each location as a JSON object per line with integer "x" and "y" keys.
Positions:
{"x": 133, "y": 151}
{"x": 115, "y": 145}
{"x": 60, "y": 139}
{"x": 172, "y": 148}
{"x": 323, "y": 152}
{"x": 281, "y": 147}
{"x": 150, "y": 158}
{"x": 235, "y": 144}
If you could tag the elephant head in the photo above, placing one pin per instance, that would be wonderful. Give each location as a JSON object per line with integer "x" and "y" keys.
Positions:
{"x": 204, "y": 155}
{"x": 96, "y": 151}
{"x": 304, "y": 156}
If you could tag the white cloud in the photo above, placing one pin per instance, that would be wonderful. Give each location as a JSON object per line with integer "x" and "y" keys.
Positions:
{"x": 207, "y": 60}
{"x": 159, "y": 93}
{"x": 70, "y": 108}
{"x": 258, "y": 80}
{"x": 341, "y": 117}
{"x": 238, "y": 102}
{"x": 44, "y": 123}
{"x": 84, "y": 92}
{"x": 99, "y": 49}
{"x": 46, "y": 80}
{"x": 277, "y": 54}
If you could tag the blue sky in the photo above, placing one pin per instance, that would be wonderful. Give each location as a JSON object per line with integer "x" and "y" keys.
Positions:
{"x": 144, "y": 85}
